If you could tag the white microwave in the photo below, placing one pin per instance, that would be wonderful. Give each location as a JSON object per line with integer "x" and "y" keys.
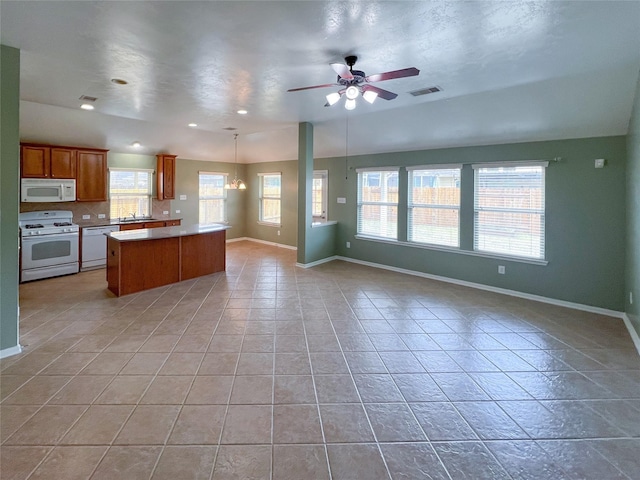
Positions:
{"x": 48, "y": 190}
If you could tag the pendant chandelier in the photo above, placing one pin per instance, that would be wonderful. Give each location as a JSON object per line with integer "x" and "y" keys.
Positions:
{"x": 236, "y": 183}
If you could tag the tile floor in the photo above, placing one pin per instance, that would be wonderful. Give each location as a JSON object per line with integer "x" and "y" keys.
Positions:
{"x": 340, "y": 371}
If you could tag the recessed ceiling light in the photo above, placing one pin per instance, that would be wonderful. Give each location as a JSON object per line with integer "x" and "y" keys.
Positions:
{"x": 193, "y": 125}
{"x": 87, "y": 106}
{"x": 119, "y": 81}
{"x": 242, "y": 112}
{"x": 136, "y": 145}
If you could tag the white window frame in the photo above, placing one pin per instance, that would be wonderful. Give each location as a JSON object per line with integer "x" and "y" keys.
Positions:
{"x": 118, "y": 212}
{"x": 385, "y": 205}
{"x": 204, "y": 198}
{"x": 262, "y": 198}
{"x": 413, "y": 207}
{"x": 321, "y": 178}
{"x": 503, "y": 246}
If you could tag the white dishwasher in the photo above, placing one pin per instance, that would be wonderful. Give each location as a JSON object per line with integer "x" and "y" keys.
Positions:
{"x": 94, "y": 246}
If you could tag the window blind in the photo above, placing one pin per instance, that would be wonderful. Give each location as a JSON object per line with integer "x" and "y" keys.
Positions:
{"x": 509, "y": 209}
{"x": 378, "y": 203}
{"x": 213, "y": 197}
{"x": 130, "y": 192}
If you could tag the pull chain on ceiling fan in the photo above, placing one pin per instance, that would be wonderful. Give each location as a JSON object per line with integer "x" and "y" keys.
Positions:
{"x": 356, "y": 83}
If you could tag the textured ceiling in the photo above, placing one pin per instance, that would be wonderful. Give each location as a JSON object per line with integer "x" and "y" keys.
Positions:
{"x": 509, "y": 72}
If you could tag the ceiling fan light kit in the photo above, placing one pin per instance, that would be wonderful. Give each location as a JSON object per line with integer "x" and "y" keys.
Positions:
{"x": 356, "y": 82}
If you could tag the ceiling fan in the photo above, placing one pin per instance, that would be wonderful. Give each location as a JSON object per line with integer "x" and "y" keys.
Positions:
{"x": 356, "y": 82}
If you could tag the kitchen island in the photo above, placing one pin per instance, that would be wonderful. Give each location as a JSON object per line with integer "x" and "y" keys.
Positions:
{"x": 152, "y": 257}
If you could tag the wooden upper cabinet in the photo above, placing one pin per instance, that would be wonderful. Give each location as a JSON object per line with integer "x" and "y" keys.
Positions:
{"x": 63, "y": 162}
{"x": 91, "y": 185}
{"x": 35, "y": 161}
{"x": 166, "y": 177}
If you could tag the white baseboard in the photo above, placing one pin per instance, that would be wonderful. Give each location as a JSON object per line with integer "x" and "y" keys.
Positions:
{"x": 8, "y": 352}
{"x": 317, "y": 262}
{"x": 632, "y": 331}
{"x": 480, "y": 286}
{"x": 273, "y": 244}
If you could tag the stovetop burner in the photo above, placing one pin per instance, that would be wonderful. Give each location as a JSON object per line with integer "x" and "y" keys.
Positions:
{"x": 34, "y": 225}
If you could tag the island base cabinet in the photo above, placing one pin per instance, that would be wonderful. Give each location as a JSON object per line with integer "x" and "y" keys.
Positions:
{"x": 137, "y": 265}
{"x": 202, "y": 254}
{"x": 142, "y": 265}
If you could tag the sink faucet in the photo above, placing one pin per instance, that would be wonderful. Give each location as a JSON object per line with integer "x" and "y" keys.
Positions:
{"x": 133, "y": 214}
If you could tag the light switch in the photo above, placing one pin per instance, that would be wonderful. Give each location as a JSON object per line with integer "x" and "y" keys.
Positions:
{"x": 600, "y": 162}
{"x": 86, "y": 217}
{"x": 183, "y": 197}
{"x": 342, "y": 200}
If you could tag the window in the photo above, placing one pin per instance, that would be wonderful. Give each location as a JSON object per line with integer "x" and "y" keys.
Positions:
{"x": 319, "y": 195}
{"x": 270, "y": 191}
{"x": 509, "y": 209}
{"x": 130, "y": 192}
{"x": 378, "y": 203}
{"x": 434, "y": 205}
{"x": 213, "y": 197}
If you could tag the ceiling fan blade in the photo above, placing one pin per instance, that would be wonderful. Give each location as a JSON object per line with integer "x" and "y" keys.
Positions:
{"x": 405, "y": 72}
{"x": 342, "y": 70}
{"x": 384, "y": 94}
{"x": 313, "y": 86}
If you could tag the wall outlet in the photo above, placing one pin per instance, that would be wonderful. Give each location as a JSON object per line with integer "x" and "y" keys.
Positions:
{"x": 86, "y": 217}
{"x": 183, "y": 197}
{"x": 348, "y": 244}
{"x": 630, "y": 298}
{"x": 101, "y": 215}
{"x": 599, "y": 163}
{"x": 501, "y": 269}
{"x": 342, "y": 200}
{"x": 177, "y": 211}
{"x": 278, "y": 232}
{"x": 165, "y": 212}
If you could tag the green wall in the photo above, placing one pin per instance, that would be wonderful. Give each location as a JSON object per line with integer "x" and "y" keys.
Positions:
{"x": 187, "y": 184}
{"x": 633, "y": 216}
{"x": 585, "y": 218}
{"x": 9, "y": 195}
{"x": 289, "y": 203}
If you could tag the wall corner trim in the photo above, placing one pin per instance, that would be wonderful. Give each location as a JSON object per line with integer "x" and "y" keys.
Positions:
{"x": 632, "y": 331}
{"x": 8, "y": 352}
{"x": 317, "y": 262}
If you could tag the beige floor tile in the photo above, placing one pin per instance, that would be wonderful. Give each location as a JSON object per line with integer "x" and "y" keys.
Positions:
{"x": 126, "y": 343}
{"x": 12, "y": 417}
{"x": 240, "y": 462}
{"x": 198, "y": 425}
{"x": 131, "y": 462}
{"x": 125, "y": 389}
{"x": 11, "y": 383}
{"x": 210, "y": 390}
{"x": 47, "y": 426}
{"x": 148, "y": 425}
{"x": 144, "y": 364}
{"x": 68, "y": 364}
{"x": 193, "y": 343}
{"x": 182, "y": 364}
{"x": 29, "y": 364}
{"x": 247, "y": 424}
{"x": 99, "y": 425}
{"x": 37, "y": 391}
{"x": 17, "y": 463}
{"x": 294, "y": 462}
{"x": 219, "y": 364}
{"x": 167, "y": 390}
{"x": 252, "y": 389}
{"x": 356, "y": 461}
{"x": 294, "y": 389}
{"x": 346, "y": 423}
{"x": 81, "y": 390}
{"x": 192, "y": 462}
{"x": 296, "y": 424}
{"x": 107, "y": 363}
{"x": 159, "y": 343}
{"x": 70, "y": 463}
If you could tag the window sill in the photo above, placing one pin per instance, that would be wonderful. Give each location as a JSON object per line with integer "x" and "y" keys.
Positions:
{"x": 453, "y": 250}
{"x": 269, "y": 224}
{"x": 323, "y": 224}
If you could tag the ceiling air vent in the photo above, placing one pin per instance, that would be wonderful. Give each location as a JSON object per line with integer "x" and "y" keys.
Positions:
{"x": 231, "y": 129}
{"x": 426, "y": 91}
{"x": 87, "y": 98}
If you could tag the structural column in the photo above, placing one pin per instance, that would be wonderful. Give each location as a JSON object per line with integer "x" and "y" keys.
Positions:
{"x": 305, "y": 185}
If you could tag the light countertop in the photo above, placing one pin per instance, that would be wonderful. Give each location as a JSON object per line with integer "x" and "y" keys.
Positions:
{"x": 166, "y": 232}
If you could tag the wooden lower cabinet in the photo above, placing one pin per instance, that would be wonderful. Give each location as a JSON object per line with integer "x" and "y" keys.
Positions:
{"x": 152, "y": 224}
